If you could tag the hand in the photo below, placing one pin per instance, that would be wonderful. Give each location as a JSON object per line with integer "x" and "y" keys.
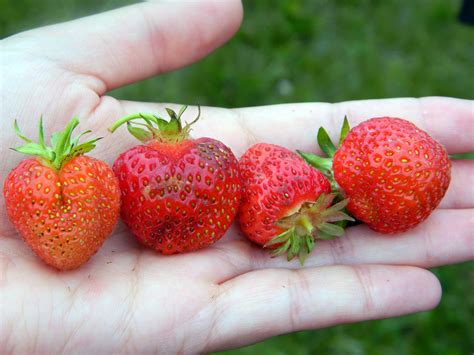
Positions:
{"x": 131, "y": 299}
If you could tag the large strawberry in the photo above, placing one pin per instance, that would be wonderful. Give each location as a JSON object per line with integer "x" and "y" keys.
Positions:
{"x": 285, "y": 202}
{"x": 178, "y": 194}
{"x": 64, "y": 204}
{"x": 393, "y": 173}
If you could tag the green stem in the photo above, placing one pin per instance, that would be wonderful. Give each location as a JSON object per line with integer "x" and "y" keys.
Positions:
{"x": 129, "y": 118}
{"x": 467, "y": 156}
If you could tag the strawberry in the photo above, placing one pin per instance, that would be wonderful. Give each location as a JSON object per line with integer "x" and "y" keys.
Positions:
{"x": 393, "y": 173}
{"x": 285, "y": 202}
{"x": 63, "y": 204}
{"x": 179, "y": 194}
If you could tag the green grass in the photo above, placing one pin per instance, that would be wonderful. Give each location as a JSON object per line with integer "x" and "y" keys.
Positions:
{"x": 321, "y": 50}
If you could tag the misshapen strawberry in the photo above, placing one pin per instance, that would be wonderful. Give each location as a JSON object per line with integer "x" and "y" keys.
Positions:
{"x": 285, "y": 202}
{"x": 179, "y": 194}
{"x": 64, "y": 204}
{"x": 393, "y": 173}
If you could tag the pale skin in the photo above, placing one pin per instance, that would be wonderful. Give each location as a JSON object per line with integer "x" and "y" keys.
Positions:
{"x": 131, "y": 299}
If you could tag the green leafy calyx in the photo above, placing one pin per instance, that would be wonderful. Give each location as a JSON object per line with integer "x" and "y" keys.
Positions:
{"x": 314, "y": 220}
{"x": 344, "y": 130}
{"x": 62, "y": 147}
{"x": 156, "y": 128}
{"x": 327, "y": 146}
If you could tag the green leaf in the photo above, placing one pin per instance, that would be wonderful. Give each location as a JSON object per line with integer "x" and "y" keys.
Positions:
{"x": 322, "y": 164}
{"x": 327, "y": 200}
{"x": 344, "y": 130}
{"x": 64, "y": 140}
{"x": 62, "y": 147}
{"x": 82, "y": 148}
{"x": 18, "y": 132}
{"x": 339, "y": 206}
{"x": 280, "y": 238}
{"x": 309, "y": 243}
{"x": 35, "y": 149}
{"x": 290, "y": 255}
{"x": 139, "y": 133}
{"x": 339, "y": 216}
{"x": 41, "y": 133}
{"x": 173, "y": 127}
{"x": 342, "y": 223}
{"x": 281, "y": 249}
{"x": 337, "y": 212}
{"x": 302, "y": 255}
{"x": 318, "y": 205}
{"x": 171, "y": 113}
{"x": 181, "y": 110}
{"x": 161, "y": 123}
{"x": 324, "y": 236}
{"x": 75, "y": 141}
{"x": 55, "y": 139}
{"x": 67, "y": 149}
{"x": 331, "y": 229}
{"x": 295, "y": 244}
{"x": 325, "y": 143}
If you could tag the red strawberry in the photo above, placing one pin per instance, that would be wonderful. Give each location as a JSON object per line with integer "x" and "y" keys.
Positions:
{"x": 63, "y": 204}
{"x": 179, "y": 194}
{"x": 285, "y": 202}
{"x": 393, "y": 173}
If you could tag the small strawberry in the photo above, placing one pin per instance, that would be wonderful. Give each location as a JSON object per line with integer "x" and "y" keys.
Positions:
{"x": 64, "y": 204}
{"x": 393, "y": 173}
{"x": 285, "y": 202}
{"x": 179, "y": 194}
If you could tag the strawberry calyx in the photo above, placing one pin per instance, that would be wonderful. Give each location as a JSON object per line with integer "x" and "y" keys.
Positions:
{"x": 62, "y": 149}
{"x": 155, "y": 128}
{"x": 327, "y": 146}
{"x": 324, "y": 164}
{"x": 314, "y": 220}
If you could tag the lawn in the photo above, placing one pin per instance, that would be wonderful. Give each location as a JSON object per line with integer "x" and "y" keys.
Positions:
{"x": 293, "y": 51}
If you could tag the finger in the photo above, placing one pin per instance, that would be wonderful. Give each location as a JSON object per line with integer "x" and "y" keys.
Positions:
{"x": 274, "y": 302}
{"x": 433, "y": 243}
{"x": 139, "y": 41}
{"x": 460, "y": 193}
{"x": 448, "y": 120}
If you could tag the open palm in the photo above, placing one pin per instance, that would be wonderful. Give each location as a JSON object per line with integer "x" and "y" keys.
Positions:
{"x": 131, "y": 299}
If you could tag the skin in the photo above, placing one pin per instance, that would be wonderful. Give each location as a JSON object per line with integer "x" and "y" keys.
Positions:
{"x": 130, "y": 299}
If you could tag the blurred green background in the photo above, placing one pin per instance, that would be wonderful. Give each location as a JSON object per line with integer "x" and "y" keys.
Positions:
{"x": 321, "y": 50}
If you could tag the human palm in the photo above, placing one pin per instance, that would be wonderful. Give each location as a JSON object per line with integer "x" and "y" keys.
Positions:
{"x": 130, "y": 299}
